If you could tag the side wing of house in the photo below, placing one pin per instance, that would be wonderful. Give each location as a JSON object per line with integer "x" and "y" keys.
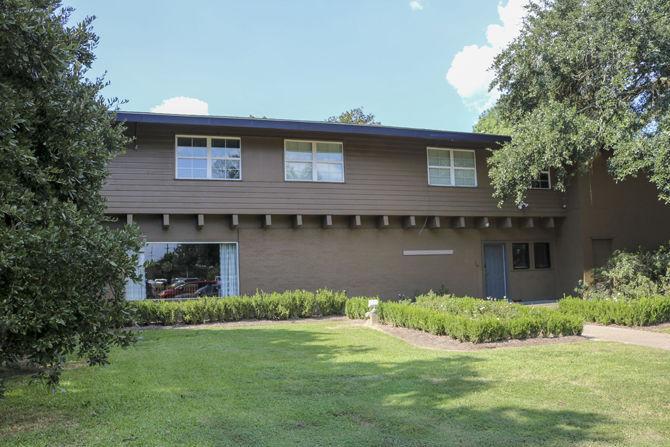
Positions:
{"x": 603, "y": 216}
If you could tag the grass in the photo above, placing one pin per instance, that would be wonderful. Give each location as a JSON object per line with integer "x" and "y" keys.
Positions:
{"x": 331, "y": 383}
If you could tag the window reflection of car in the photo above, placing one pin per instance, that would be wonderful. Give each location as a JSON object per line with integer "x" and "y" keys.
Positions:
{"x": 188, "y": 288}
{"x": 157, "y": 281}
{"x": 179, "y": 280}
{"x": 156, "y": 286}
{"x": 207, "y": 290}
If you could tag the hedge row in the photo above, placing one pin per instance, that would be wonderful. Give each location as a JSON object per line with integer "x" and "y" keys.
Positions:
{"x": 464, "y": 323}
{"x": 356, "y": 308}
{"x": 634, "y": 312}
{"x": 262, "y": 306}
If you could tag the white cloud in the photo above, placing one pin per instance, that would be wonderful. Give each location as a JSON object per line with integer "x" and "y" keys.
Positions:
{"x": 416, "y": 5}
{"x": 182, "y": 105}
{"x": 470, "y": 72}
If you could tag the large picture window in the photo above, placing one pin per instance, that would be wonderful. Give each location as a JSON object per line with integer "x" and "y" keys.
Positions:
{"x": 172, "y": 270}
{"x": 313, "y": 161}
{"x": 213, "y": 158}
{"x": 451, "y": 167}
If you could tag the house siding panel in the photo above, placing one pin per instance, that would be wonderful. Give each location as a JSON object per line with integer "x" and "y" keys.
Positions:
{"x": 381, "y": 176}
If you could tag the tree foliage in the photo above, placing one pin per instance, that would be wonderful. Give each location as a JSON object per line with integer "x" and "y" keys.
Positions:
{"x": 631, "y": 274}
{"x": 189, "y": 260}
{"x": 354, "y": 116}
{"x": 62, "y": 266}
{"x": 492, "y": 123}
{"x": 585, "y": 76}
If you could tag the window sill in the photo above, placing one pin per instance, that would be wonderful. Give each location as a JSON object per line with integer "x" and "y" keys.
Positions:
{"x": 313, "y": 181}
{"x": 208, "y": 179}
{"x": 453, "y": 186}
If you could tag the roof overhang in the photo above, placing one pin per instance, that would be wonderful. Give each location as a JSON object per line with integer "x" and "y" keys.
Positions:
{"x": 474, "y": 139}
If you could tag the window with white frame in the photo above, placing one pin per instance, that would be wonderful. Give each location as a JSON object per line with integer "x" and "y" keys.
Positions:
{"x": 183, "y": 270}
{"x": 215, "y": 158}
{"x": 451, "y": 167}
{"x": 313, "y": 161}
{"x": 543, "y": 181}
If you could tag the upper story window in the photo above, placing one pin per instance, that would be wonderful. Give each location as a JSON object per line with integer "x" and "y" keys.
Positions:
{"x": 214, "y": 158}
{"x": 451, "y": 167}
{"x": 543, "y": 181}
{"x": 313, "y": 161}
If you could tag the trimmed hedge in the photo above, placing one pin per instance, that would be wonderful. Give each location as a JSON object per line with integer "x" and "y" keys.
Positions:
{"x": 634, "y": 312}
{"x": 475, "y": 320}
{"x": 262, "y": 306}
{"x": 356, "y": 308}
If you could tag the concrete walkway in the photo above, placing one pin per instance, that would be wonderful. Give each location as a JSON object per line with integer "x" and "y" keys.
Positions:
{"x": 628, "y": 335}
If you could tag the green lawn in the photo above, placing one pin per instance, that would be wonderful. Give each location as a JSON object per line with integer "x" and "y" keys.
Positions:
{"x": 328, "y": 383}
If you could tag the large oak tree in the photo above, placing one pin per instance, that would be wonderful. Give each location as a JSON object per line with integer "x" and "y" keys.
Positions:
{"x": 583, "y": 77}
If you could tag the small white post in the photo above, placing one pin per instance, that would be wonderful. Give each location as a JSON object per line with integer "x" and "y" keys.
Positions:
{"x": 371, "y": 315}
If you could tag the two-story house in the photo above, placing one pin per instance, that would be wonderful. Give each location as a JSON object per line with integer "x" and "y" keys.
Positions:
{"x": 235, "y": 205}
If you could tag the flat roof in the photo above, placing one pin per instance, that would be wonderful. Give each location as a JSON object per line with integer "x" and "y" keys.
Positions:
{"x": 311, "y": 126}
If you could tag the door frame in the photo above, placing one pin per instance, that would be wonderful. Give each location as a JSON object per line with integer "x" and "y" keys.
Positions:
{"x": 505, "y": 272}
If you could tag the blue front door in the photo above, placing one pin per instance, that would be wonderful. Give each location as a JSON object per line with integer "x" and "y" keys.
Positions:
{"x": 495, "y": 275}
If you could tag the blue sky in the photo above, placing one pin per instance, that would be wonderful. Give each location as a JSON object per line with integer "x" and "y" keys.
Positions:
{"x": 304, "y": 59}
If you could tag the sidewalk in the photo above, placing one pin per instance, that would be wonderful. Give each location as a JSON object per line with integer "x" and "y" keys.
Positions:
{"x": 628, "y": 335}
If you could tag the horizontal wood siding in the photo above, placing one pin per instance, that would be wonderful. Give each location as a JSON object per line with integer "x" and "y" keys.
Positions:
{"x": 381, "y": 176}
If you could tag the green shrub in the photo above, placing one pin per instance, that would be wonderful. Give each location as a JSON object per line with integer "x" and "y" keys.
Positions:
{"x": 634, "y": 274}
{"x": 465, "y": 319}
{"x": 356, "y": 308}
{"x": 628, "y": 312}
{"x": 472, "y": 307}
{"x": 270, "y": 306}
{"x": 478, "y": 321}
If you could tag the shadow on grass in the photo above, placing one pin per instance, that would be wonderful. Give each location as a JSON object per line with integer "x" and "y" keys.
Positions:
{"x": 288, "y": 386}
{"x": 336, "y": 390}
